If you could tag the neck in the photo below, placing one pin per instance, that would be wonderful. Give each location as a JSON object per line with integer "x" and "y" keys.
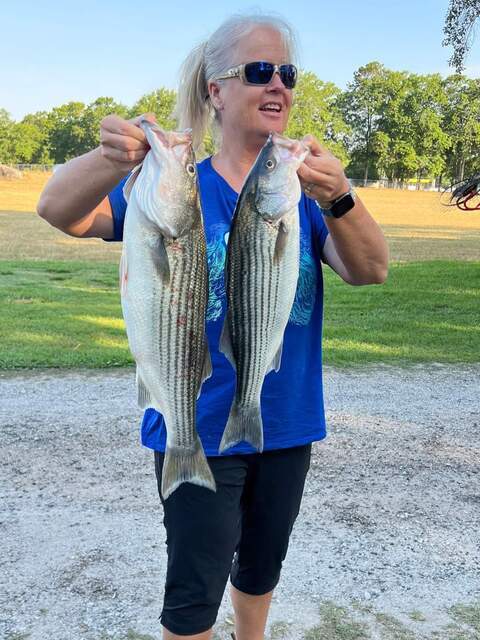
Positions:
{"x": 235, "y": 158}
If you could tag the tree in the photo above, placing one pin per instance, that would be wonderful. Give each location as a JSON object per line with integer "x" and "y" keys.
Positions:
{"x": 461, "y": 120}
{"x": 91, "y": 118}
{"x": 43, "y": 122}
{"x": 6, "y": 126}
{"x": 413, "y": 119}
{"x": 160, "y": 102}
{"x": 361, "y": 106}
{"x": 458, "y": 29}
{"x": 25, "y": 141}
{"x": 316, "y": 111}
{"x": 67, "y": 134}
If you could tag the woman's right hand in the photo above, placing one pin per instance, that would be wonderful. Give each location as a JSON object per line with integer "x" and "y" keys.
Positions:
{"x": 123, "y": 142}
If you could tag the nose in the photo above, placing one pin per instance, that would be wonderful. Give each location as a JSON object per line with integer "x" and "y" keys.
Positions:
{"x": 276, "y": 82}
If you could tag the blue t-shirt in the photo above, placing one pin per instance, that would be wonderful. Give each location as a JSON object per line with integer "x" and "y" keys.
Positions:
{"x": 292, "y": 398}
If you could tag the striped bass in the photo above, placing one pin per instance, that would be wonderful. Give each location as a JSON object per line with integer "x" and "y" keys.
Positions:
{"x": 164, "y": 292}
{"x": 261, "y": 274}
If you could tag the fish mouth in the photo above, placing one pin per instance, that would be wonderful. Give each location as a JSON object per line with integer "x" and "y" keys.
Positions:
{"x": 168, "y": 139}
{"x": 289, "y": 149}
{"x": 160, "y": 141}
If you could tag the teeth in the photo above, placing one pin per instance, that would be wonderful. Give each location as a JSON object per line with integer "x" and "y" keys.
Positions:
{"x": 271, "y": 107}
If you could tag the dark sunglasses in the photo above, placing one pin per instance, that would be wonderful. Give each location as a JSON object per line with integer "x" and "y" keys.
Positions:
{"x": 261, "y": 73}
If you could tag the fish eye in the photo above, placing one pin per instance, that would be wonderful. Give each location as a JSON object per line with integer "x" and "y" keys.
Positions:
{"x": 190, "y": 169}
{"x": 270, "y": 164}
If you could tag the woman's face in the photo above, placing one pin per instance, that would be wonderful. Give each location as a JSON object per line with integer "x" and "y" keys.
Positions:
{"x": 242, "y": 107}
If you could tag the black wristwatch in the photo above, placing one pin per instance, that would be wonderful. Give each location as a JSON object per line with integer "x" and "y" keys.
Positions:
{"x": 341, "y": 205}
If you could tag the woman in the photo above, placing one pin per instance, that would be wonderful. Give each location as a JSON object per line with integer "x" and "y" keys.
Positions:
{"x": 250, "y": 517}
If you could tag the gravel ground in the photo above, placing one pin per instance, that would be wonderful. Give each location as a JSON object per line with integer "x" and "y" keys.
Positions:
{"x": 389, "y": 526}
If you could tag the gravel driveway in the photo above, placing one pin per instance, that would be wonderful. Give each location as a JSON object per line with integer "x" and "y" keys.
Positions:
{"x": 387, "y": 541}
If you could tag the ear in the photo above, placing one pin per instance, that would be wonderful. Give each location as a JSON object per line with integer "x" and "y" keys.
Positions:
{"x": 214, "y": 93}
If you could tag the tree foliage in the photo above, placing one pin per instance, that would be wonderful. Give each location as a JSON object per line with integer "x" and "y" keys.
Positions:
{"x": 361, "y": 106}
{"x": 160, "y": 102}
{"x": 459, "y": 29}
{"x": 392, "y": 124}
{"x": 462, "y": 123}
{"x": 316, "y": 111}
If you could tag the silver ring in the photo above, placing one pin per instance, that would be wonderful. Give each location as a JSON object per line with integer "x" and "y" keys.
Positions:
{"x": 308, "y": 187}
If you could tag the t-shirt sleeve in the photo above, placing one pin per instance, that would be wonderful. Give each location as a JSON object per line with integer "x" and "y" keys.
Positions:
{"x": 319, "y": 228}
{"x": 119, "y": 207}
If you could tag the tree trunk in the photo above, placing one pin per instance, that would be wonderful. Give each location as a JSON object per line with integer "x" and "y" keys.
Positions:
{"x": 365, "y": 175}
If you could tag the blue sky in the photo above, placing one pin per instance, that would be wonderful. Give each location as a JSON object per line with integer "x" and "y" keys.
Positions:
{"x": 52, "y": 52}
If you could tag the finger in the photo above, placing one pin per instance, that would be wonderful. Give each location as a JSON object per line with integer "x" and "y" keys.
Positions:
{"x": 128, "y": 157}
{"x": 123, "y": 143}
{"x": 313, "y": 176}
{"x": 115, "y": 124}
{"x": 323, "y": 164}
{"x": 315, "y": 147}
{"x": 151, "y": 117}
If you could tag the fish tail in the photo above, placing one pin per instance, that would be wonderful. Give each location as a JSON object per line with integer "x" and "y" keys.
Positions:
{"x": 191, "y": 465}
{"x": 243, "y": 424}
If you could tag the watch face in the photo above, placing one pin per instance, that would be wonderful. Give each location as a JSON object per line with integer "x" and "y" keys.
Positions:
{"x": 342, "y": 206}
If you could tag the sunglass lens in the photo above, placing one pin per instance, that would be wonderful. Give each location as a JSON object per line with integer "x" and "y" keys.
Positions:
{"x": 259, "y": 72}
{"x": 288, "y": 74}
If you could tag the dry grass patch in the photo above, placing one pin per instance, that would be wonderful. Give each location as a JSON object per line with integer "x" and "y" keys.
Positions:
{"x": 416, "y": 209}
{"x": 418, "y": 227}
{"x": 25, "y": 236}
{"x": 22, "y": 194}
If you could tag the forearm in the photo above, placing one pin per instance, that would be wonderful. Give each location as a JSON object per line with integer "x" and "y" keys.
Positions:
{"x": 360, "y": 244}
{"x": 78, "y": 187}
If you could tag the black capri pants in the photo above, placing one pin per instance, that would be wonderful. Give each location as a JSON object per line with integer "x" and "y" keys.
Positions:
{"x": 242, "y": 530}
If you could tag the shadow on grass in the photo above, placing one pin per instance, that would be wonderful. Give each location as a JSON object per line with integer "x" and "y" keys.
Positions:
{"x": 68, "y": 314}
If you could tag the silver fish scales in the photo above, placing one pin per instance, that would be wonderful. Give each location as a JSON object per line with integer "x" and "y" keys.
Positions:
{"x": 164, "y": 286}
{"x": 261, "y": 279}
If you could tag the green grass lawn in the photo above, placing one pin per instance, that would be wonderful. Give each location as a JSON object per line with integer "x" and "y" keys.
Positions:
{"x": 67, "y": 314}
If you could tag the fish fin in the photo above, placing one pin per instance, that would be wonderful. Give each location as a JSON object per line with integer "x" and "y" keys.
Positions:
{"x": 160, "y": 258}
{"x": 128, "y": 186}
{"x": 144, "y": 398}
{"x": 207, "y": 368}
{"x": 225, "y": 344}
{"x": 281, "y": 243}
{"x": 180, "y": 465}
{"x": 123, "y": 272}
{"x": 244, "y": 424}
{"x": 277, "y": 359}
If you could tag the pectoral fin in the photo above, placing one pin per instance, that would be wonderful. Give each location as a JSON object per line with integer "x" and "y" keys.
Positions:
{"x": 128, "y": 186}
{"x": 144, "y": 398}
{"x": 160, "y": 259}
{"x": 225, "y": 344}
{"x": 207, "y": 368}
{"x": 281, "y": 243}
{"x": 277, "y": 359}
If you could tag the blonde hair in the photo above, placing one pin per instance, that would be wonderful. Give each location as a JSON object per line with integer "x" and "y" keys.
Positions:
{"x": 212, "y": 58}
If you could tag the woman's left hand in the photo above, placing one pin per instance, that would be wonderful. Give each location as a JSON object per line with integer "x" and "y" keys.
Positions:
{"x": 321, "y": 174}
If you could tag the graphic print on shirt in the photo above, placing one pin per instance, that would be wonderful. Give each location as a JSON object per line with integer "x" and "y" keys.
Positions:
{"x": 304, "y": 302}
{"x": 305, "y": 295}
{"x": 216, "y": 255}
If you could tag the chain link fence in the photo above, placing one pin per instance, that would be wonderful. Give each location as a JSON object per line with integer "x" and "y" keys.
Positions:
{"x": 423, "y": 185}
{"x": 35, "y": 167}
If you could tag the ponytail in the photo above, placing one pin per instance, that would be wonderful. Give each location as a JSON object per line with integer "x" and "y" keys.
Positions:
{"x": 193, "y": 109}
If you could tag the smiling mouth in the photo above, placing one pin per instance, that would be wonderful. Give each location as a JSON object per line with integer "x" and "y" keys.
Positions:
{"x": 273, "y": 108}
